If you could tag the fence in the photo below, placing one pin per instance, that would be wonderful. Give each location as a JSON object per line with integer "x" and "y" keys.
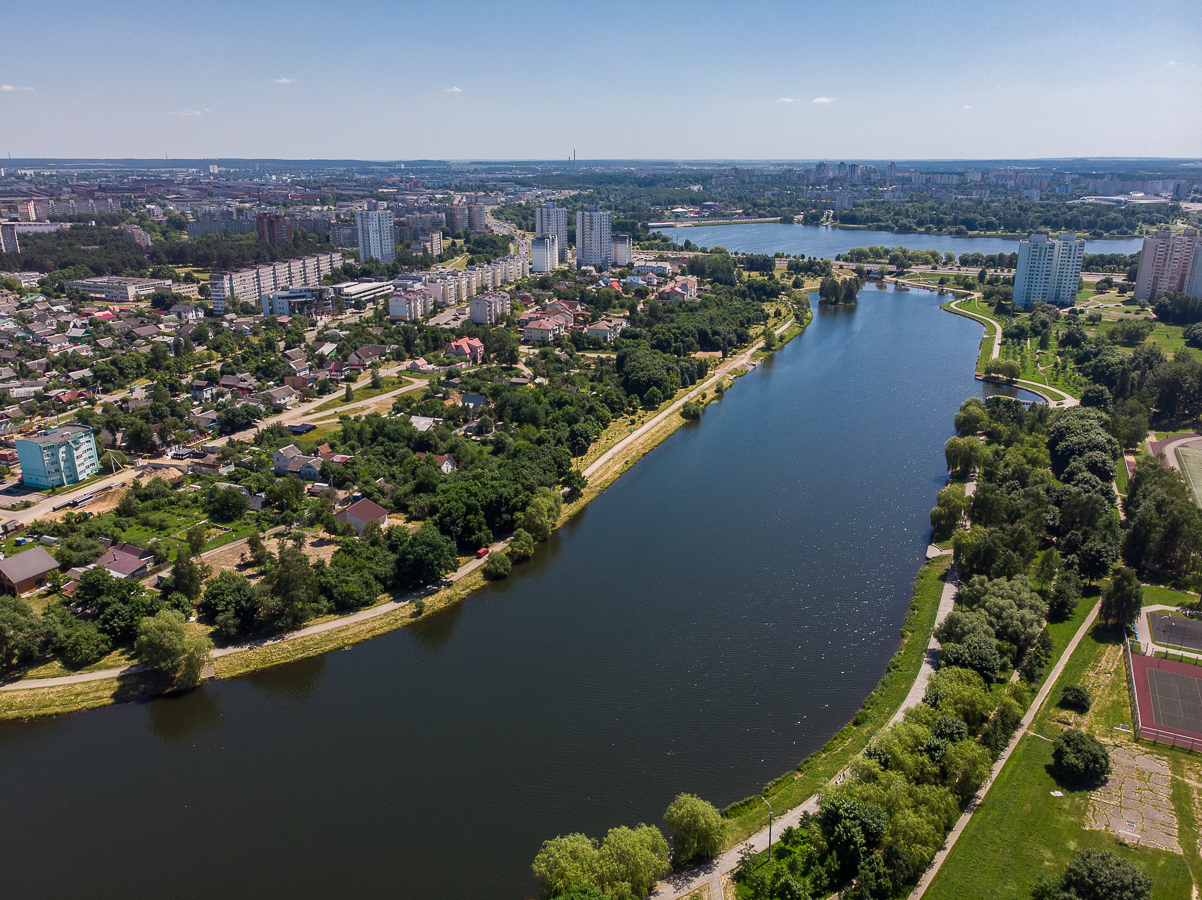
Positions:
{"x": 1149, "y": 733}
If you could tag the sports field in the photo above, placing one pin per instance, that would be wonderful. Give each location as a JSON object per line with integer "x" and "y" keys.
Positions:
{"x": 1168, "y": 697}
{"x": 1191, "y": 467}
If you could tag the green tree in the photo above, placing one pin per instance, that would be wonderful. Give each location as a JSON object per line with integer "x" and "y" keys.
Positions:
{"x": 227, "y": 505}
{"x": 1080, "y": 759}
{"x": 962, "y": 454}
{"x": 259, "y": 553}
{"x": 20, "y": 632}
{"x": 521, "y": 546}
{"x": 540, "y": 516}
{"x": 977, "y": 652}
{"x": 698, "y": 830}
{"x": 197, "y": 536}
{"x": 1096, "y": 875}
{"x": 951, "y": 504}
{"x": 1122, "y": 600}
{"x": 165, "y": 644}
{"x": 427, "y": 557}
{"x": 187, "y": 577}
{"x": 293, "y": 591}
{"x": 575, "y": 482}
{"x": 565, "y": 864}
{"x": 631, "y": 861}
{"x": 497, "y": 566}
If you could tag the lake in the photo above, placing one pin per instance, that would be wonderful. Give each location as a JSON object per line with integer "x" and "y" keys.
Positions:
{"x": 824, "y": 241}
{"x": 706, "y": 623}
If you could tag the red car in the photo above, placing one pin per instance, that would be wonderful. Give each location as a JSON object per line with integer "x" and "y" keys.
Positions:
{"x": 481, "y": 553}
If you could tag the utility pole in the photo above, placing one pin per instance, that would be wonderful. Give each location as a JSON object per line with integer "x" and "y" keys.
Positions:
{"x": 770, "y": 811}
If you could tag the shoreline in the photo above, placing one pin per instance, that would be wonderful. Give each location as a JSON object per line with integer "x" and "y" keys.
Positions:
{"x": 27, "y": 699}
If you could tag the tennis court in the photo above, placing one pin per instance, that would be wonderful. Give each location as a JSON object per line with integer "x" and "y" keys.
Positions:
{"x": 1168, "y": 695}
{"x": 1174, "y": 631}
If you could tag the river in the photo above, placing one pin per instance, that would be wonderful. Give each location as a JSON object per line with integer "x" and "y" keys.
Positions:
{"x": 824, "y": 241}
{"x": 708, "y": 621}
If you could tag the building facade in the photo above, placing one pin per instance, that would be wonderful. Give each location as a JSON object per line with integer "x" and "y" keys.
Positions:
{"x": 314, "y": 302}
{"x": 377, "y": 237}
{"x": 553, "y": 221}
{"x": 1048, "y": 270}
{"x": 489, "y": 307}
{"x": 544, "y": 252}
{"x": 273, "y": 228}
{"x": 594, "y": 241}
{"x": 477, "y": 220}
{"x": 623, "y": 250}
{"x": 57, "y": 457}
{"x": 1165, "y": 263}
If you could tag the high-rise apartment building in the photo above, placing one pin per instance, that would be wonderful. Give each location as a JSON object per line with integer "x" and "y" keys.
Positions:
{"x": 477, "y": 221}
{"x": 8, "y": 238}
{"x": 377, "y": 239}
{"x": 544, "y": 252}
{"x": 274, "y": 228}
{"x": 623, "y": 250}
{"x": 456, "y": 217}
{"x": 552, "y": 220}
{"x": 594, "y": 242}
{"x": 1049, "y": 270}
{"x": 1193, "y": 287}
{"x": 56, "y": 457}
{"x": 1165, "y": 263}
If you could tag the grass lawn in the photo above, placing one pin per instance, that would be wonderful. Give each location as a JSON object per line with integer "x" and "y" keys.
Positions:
{"x": 1021, "y": 832}
{"x": 391, "y": 383}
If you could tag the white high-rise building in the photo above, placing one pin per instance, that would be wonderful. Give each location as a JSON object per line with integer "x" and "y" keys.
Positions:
{"x": 552, "y": 220}
{"x": 544, "y": 251}
{"x": 1165, "y": 263}
{"x": 1193, "y": 287}
{"x": 623, "y": 250}
{"x": 1049, "y": 270}
{"x": 377, "y": 238}
{"x": 594, "y": 243}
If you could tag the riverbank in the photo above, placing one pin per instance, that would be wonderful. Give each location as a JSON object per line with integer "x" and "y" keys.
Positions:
{"x": 27, "y": 699}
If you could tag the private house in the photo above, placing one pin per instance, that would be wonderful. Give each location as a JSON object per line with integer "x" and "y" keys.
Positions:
{"x": 606, "y": 329}
{"x": 124, "y": 560}
{"x": 542, "y": 330}
{"x": 358, "y": 514}
{"x": 446, "y": 462}
{"x": 290, "y": 461}
{"x": 239, "y": 384}
{"x": 298, "y": 360}
{"x": 202, "y": 391}
{"x": 469, "y": 347}
{"x": 186, "y": 312}
{"x": 475, "y": 403}
{"x": 366, "y": 354}
{"x": 26, "y": 571}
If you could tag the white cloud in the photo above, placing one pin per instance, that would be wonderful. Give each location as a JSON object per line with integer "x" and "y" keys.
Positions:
{"x": 453, "y": 90}
{"x": 283, "y": 80}
{"x": 823, "y": 100}
{"x": 1171, "y": 62}
{"x": 187, "y": 112}
{"x": 786, "y": 100}
{"x": 966, "y": 106}
{"x": 13, "y": 87}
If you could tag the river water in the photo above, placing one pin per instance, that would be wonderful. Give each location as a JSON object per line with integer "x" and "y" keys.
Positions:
{"x": 707, "y": 622}
{"x": 824, "y": 241}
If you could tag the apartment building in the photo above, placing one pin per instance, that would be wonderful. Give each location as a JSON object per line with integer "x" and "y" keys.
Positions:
{"x": 56, "y": 457}
{"x": 544, "y": 251}
{"x": 274, "y": 228}
{"x": 553, "y": 221}
{"x": 489, "y": 307}
{"x": 249, "y": 285}
{"x": 1048, "y": 270}
{"x": 594, "y": 241}
{"x": 377, "y": 237}
{"x": 1166, "y": 263}
{"x": 118, "y": 289}
{"x": 623, "y": 249}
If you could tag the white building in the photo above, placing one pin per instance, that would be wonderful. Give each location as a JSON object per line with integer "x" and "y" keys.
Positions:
{"x": 594, "y": 242}
{"x": 545, "y": 252}
{"x": 487, "y": 308}
{"x": 553, "y": 221}
{"x": 1165, "y": 264}
{"x": 313, "y": 302}
{"x": 1193, "y": 286}
{"x": 410, "y": 305}
{"x": 623, "y": 249}
{"x": 377, "y": 238}
{"x": 1049, "y": 270}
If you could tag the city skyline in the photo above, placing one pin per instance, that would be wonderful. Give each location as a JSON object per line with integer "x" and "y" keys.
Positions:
{"x": 778, "y": 81}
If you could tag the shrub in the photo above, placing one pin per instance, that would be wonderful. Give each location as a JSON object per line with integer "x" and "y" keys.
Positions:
{"x": 497, "y": 566}
{"x": 1096, "y": 875}
{"x": 691, "y": 410}
{"x": 1076, "y": 696}
{"x": 697, "y": 827}
{"x": 522, "y": 545}
{"x": 1079, "y": 759}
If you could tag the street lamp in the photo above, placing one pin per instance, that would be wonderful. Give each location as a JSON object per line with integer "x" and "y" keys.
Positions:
{"x": 769, "y": 805}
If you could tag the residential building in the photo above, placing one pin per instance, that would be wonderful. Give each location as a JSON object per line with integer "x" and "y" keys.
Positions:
{"x": 186, "y": 312}
{"x": 202, "y": 391}
{"x": 623, "y": 249}
{"x": 542, "y": 330}
{"x": 606, "y": 329}
{"x": 56, "y": 457}
{"x": 456, "y": 216}
{"x": 377, "y": 238}
{"x": 1193, "y": 286}
{"x": 594, "y": 242}
{"x": 274, "y": 228}
{"x": 8, "y": 238}
{"x": 1048, "y": 270}
{"x": 359, "y": 514}
{"x": 477, "y": 220}
{"x": 410, "y": 305}
{"x": 124, "y": 560}
{"x": 544, "y": 251}
{"x": 489, "y": 307}
{"x": 26, "y": 571}
{"x": 290, "y": 461}
{"x": 472, "y": 348}
{"x": 553, "y": 221}
{"x": 1165, "y": 263}
{"x": 137, "y": 235}
{"x": 427, "y": 242}
{"x": 344, "y": 234}
{"x": 313, "y": 302}
{"x": 249, "y": 285}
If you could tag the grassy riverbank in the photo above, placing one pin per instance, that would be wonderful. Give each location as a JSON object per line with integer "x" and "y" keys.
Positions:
{"x": 793, "y": 788}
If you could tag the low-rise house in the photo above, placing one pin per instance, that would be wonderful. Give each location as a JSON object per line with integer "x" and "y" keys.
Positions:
{"x": 423, "y": 423}
{"x": 469, "y": 347}
{"x": 279, "y": 396}
{"x": 359, "y": 514}
{"x": 26, "y": 571}
{"x": 542, "y": 330}
{"x": 474, "y": 402}
{"x": 185, "y": 312}
{"x": 445, "y": 462}
{"x": 298, "y": 360}
{"x": 202, "y": 391}
{"x": 606, "y": 329}
{"x": 210, "y": 464}
{"x": 290, "y": 461}
{"x": 124, "y": 560}
{"x": 366, "y": 354}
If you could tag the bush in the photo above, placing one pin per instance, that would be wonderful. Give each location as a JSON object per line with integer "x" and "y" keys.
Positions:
{"x": 497, "y": 566}
{"x": 1096, "y": 875}
{"x": 521, "y": 547}
{"x": 1076, "y": 696}
{"x": 697, "y": 827}
{"x": 1079, "y": 759}
{"x": 691, "y": 410}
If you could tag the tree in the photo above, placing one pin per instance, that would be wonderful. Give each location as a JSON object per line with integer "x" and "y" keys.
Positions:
{"x": 427, "y": 557}
{"x": 698, "y": 830}
{"x": 631, "y": 861}
{"x": 852, "y": 828}
{"x": 1049, "y": 562}
{"x": 521, "y": 546}
{"x": 1080, "y": 759}
{"x": 1065, "y": 595}
{"x": 187, "y": 577}
{"x": 497, "y": 566}
{"x": 653, "y": 398}
{"x": 231, "y": 600}
{"x": 1076, "y": 696}
{"x": 948, "y": 512}
{"x": 259, "y": 553}
{"x": 227, "y": 504}
{"x": 977, "y": 652}
{"x": 1096, "y": 875}
{"x": 962, "y": 454}
{"x": 1003, "y": 368}
{"x": 565, "y": 864}
{"x": 20, "y": 631}
{"x": 540, "y": 516}
{"x": 1121, "y": 601}
{"x": 575, "y": 482}
{"x": 165, "y": 644}
{"x": 119, "y": 604}
{"x": 197, "y": 537}
{"x": 293, "y": 590}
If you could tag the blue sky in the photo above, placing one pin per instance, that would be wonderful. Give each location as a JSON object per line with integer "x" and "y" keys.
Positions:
{"x": 852, "y": 79}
